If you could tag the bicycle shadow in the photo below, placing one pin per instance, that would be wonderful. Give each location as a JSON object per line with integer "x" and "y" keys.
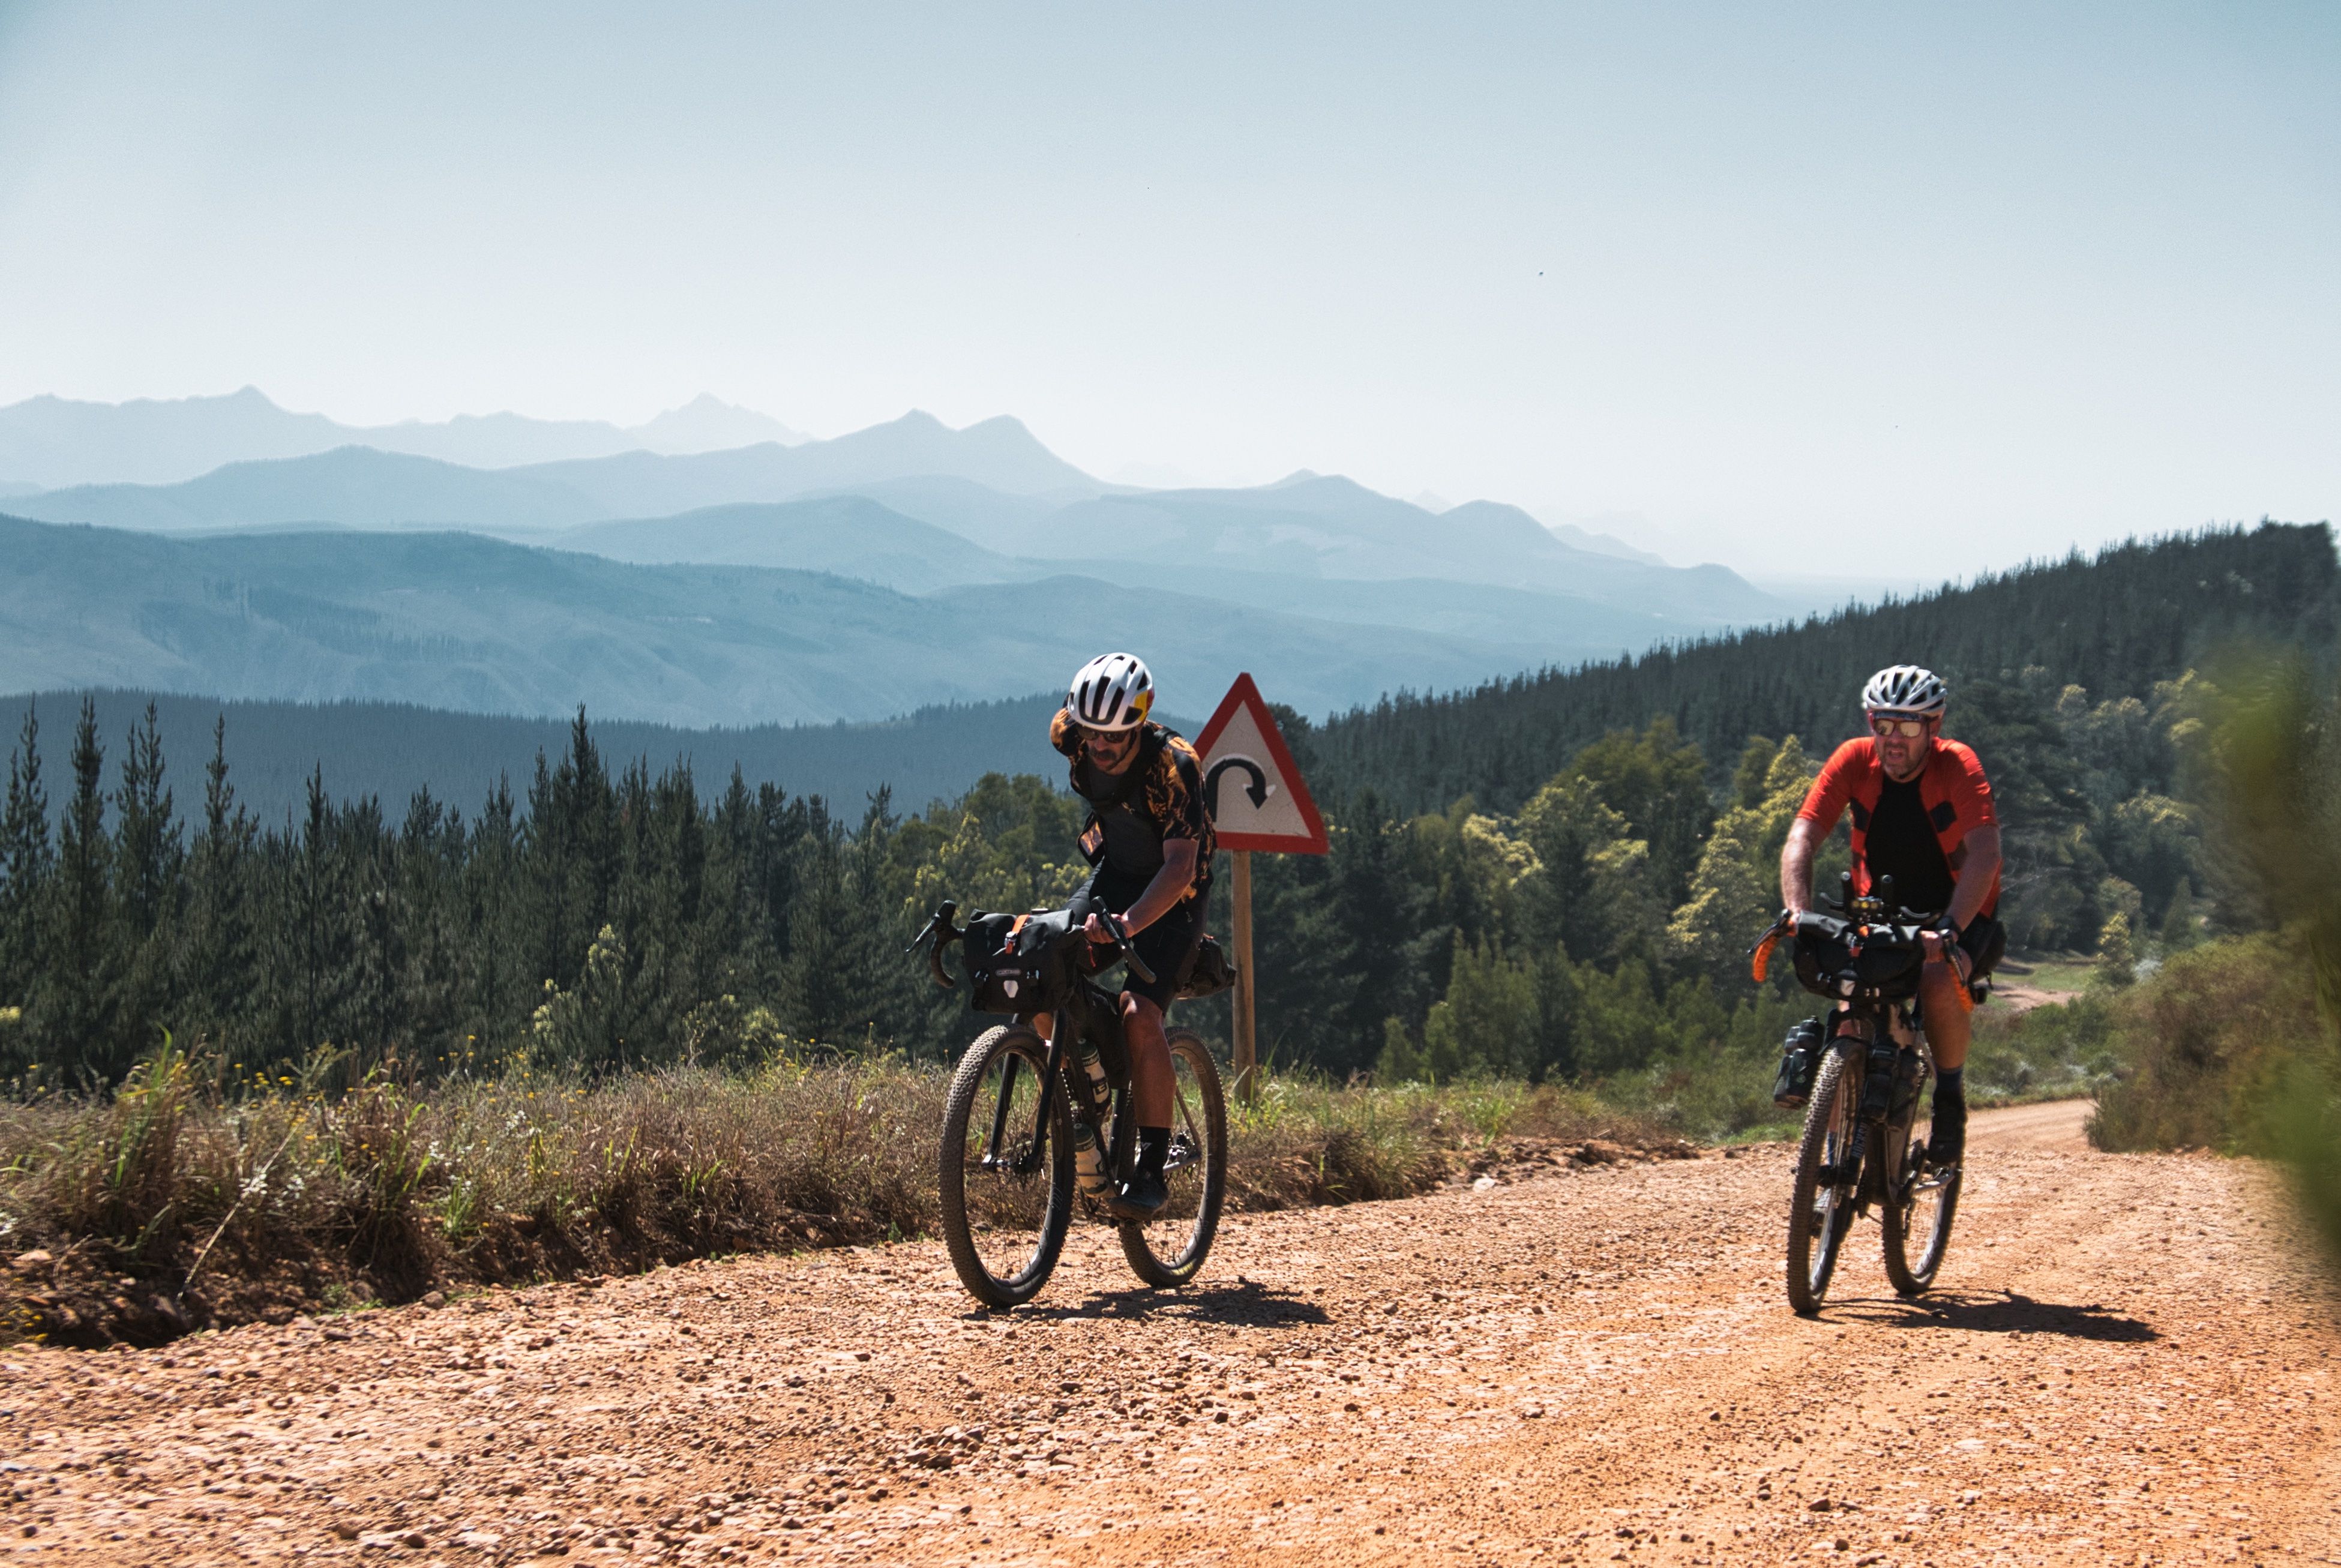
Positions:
{"x": 1245, "y": 1303}
{"x": 1998, "y": 1311}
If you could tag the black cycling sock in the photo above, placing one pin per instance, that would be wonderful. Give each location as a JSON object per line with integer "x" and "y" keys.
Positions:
{"x": 1951, "y": 1090}
{"x": 1153, "y": 1148}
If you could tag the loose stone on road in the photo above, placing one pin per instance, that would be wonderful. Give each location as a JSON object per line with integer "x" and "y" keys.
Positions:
{"x": 2128, "y": 1360}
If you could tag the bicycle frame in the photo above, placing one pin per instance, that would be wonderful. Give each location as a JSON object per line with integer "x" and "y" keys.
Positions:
{"x": 1083, "y": 1012}
{"x": 1876, "y": 1160}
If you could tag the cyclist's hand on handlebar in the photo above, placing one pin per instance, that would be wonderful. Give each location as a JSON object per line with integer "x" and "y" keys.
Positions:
{"x": 1099, "y": 931}
{"x": 1943, "y": 948}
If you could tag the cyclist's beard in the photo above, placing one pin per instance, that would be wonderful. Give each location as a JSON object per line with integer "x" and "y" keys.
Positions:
{"x": 1901, "y": 758}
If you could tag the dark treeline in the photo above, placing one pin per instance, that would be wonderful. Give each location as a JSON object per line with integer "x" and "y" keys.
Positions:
{"x": 1574, "y": 904}
{"x": 593, "y": 920}
{"x": 390, "y": 750}
{"x": 2114, "y": 625}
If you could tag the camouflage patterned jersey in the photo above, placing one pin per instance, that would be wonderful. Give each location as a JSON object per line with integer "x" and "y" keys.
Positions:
{"x": 1160, "y": 797}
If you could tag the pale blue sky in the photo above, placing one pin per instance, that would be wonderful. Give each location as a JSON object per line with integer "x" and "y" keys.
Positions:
{"x": 1922, "y": 288}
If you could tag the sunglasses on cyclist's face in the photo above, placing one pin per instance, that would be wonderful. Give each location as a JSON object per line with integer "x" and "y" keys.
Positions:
{"x": 1909, "y": 729}
{"x": 1108, "y": 740}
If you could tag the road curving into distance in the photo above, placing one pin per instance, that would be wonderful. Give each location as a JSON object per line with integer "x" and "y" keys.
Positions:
{"x": 2128, "y": 1362}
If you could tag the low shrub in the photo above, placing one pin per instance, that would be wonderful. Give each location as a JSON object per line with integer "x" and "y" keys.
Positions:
{"x": 2204, "y": 1046}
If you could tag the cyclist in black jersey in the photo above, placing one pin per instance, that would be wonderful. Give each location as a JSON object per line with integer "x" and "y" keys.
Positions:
{"x": 1150, "y": 840}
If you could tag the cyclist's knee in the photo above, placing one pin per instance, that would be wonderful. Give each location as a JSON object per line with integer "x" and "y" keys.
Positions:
{"x": 1141, "y": 1012}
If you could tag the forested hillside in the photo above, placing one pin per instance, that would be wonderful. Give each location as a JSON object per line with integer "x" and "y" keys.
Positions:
{"x": 2114, "y": 623}
{"x": 1587, "y": 921}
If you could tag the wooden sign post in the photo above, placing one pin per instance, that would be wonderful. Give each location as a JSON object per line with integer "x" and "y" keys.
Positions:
{"x": 1267, "y": 808}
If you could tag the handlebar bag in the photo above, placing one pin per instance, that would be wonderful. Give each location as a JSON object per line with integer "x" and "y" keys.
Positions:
{"x": 1825, "y": 960}
{"x": 1209, "y": 972}
{"x": 997, "y": 973}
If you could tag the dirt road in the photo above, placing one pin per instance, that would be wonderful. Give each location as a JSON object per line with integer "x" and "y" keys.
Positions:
{"x": 2058, "y": 1125}
{"x": 2124, "y": 1365}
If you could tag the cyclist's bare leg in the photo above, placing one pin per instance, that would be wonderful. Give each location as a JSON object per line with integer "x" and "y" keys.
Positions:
{"x": 1149, "y": 1061}
{"x": 1044, "y": 1024}
{"x": 1947, "y": 1026}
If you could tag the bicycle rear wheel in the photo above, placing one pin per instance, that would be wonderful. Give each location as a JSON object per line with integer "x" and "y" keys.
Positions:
{"x": 1169, "y": 1249}
{"x": 1007, "y": 1175}
{"x": 1820, "y": 1205}
{"x": 1919, "y": 1210}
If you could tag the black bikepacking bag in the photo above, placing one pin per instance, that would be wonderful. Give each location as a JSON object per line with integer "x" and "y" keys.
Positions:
{"x": 1208, "y": 973}
{"x": 1004, "y": 954}
{"x": 995, "y": 974}
{"x": 1801, "y": 1063}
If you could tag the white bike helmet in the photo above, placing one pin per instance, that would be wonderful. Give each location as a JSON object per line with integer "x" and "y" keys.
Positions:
{"x": 1905, "y": 689}
{"x": 1112, "y": 691}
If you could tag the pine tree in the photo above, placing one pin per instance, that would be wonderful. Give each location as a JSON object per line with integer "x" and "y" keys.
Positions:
{"x": 26, "y": 860}
{"x": 1401, "y": 1061}
{"x": 75, "y": 1021}
{"x": 148, "y": 856}
{"x": 218, "y": 960}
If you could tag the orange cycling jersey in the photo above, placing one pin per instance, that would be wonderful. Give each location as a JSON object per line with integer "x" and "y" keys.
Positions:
{"x": 1952, "y": 789}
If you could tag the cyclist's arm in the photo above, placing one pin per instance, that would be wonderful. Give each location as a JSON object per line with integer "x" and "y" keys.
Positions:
{"x": 1162, "y": 895}
{"x": 1825, "y": 802}
{"x": 1797, "y": 864}
{"x": 1977, "y": 868}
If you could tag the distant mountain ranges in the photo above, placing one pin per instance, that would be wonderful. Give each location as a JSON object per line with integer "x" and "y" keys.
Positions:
{"x": 778, "y": 580}
{"x": 50, "y": 442}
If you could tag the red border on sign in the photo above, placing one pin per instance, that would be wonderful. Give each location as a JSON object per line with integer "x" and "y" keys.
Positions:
{"x": 1243, "y": 694}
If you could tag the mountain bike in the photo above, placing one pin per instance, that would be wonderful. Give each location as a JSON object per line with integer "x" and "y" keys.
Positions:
{"x": 1039, "y": 1113}
{"x": 1863, "y": 1147}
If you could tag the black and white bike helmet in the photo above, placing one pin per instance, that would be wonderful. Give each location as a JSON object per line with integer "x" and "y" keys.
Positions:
{"x": 1112, "y": 691}
{"x": 1905, "y": 689}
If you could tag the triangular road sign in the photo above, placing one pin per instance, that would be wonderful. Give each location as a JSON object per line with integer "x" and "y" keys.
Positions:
{"x": 1253, "y": 790}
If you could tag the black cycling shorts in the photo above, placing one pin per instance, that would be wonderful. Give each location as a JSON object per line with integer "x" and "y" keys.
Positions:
{"x": 1166, "y": 947}
{"x": 1985, "y": 942}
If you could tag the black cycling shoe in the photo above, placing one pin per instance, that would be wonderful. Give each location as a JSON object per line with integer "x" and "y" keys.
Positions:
{"x": 1946, "y": 1145}
{"x": 1141, "y": 1197}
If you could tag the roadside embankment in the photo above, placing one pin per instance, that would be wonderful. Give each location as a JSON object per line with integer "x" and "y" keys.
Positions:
{"x": 175, "y": 1205}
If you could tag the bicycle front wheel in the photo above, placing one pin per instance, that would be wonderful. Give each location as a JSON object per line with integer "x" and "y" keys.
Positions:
{"x": 1169, "y": 1249}
{"x": 1007, "y": 1172}
{"x": 1918, "y": 1213}
{"x": 1821, "y": 1206}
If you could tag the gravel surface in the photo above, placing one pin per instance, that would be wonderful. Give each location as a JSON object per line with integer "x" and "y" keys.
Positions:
{"x": 2125, "y": 1363}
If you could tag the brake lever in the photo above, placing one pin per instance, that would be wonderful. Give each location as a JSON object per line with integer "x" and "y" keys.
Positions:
{"x": 942, "y": 926}
{"x": 943, "y": 916}
{"x": 1122, "y": 934}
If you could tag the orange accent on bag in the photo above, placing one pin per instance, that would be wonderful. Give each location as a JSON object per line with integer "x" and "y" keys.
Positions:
{"x": 1764, "y": 955}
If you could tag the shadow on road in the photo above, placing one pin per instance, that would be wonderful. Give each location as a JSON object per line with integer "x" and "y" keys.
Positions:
{"x": 1244, "y": 1303}
{"x": 1997, "y": 1312}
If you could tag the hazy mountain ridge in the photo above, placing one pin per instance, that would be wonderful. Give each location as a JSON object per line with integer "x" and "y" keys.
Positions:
{"x": 56, "y": 443}
{"x": 462, "y": 622}
{"x": 1006, "y": 507}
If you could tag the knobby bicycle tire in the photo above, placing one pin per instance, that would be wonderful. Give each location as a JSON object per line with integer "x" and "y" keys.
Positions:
{"x": 1914, "y": 1278}
{"x": 1051, "y": 1181}
{"x": 1205, "y": 1126}
{"x": 1832, "y": 1128}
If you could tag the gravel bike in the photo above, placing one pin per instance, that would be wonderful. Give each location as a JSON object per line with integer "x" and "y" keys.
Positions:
{"x": 1863, "y": 1147}
{"x": 1039, "y": 1113}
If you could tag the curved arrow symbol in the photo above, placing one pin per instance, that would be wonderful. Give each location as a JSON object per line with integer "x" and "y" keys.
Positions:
{"x": 1255, "y": 785}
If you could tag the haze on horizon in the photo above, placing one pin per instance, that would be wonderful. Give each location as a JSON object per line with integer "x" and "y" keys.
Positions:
{"x": 1847, "y": 291}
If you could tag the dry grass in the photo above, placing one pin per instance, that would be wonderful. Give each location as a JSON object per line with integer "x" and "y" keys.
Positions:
{"x": 182, "y": 1203}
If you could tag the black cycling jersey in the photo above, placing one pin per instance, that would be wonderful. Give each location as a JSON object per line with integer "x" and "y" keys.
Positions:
{"x": 1901, "y": 843}
{"x": 1160, "y": 797}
